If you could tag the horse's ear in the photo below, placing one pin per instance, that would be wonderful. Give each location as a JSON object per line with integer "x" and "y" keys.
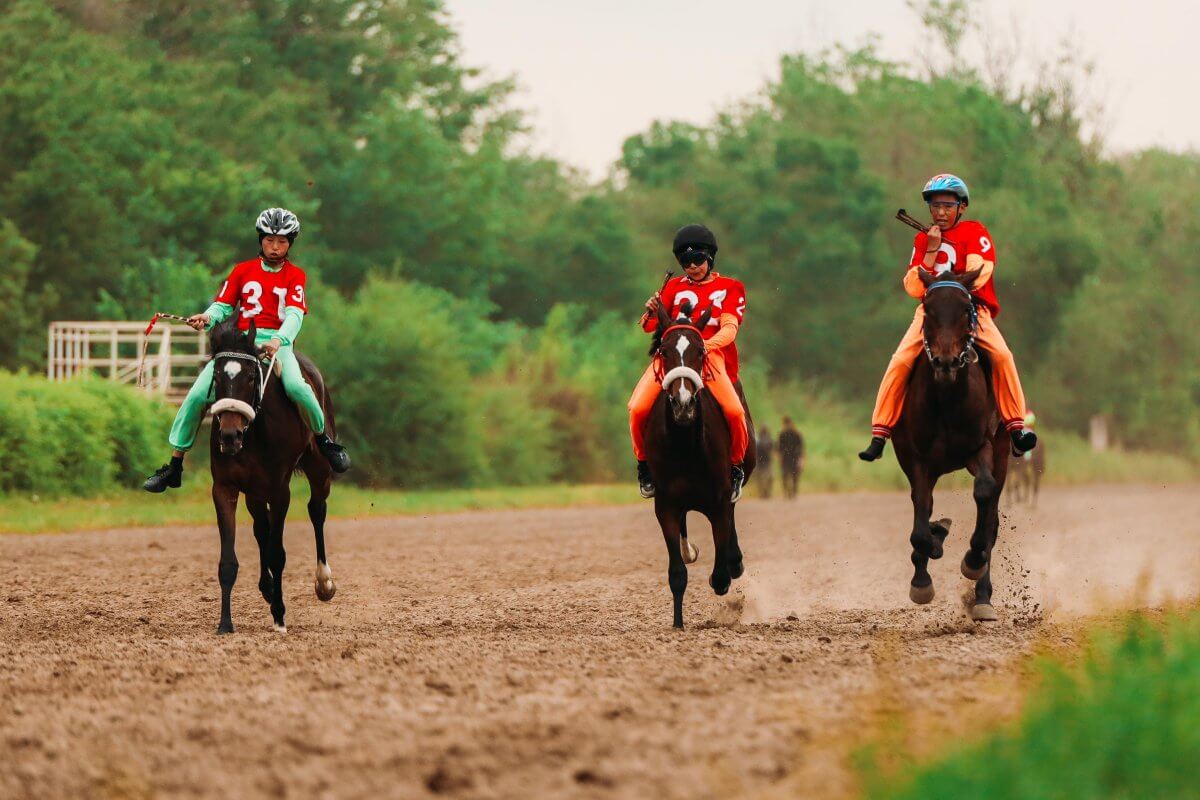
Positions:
{"x": 685, "y": 310}
{"x": 664, "y": 319}
{"x": 704, "y": 318}
{"x": 252, "y": 332}
{"x": 926, "y": 276}
{"x": 968, "y": 278}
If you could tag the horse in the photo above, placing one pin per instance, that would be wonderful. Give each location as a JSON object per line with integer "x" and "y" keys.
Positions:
{"x": 950, "y": 421}
{"x": 258, "y": 441}
{"x": 1026, "y": 474}
{"x": 688, "y": 451}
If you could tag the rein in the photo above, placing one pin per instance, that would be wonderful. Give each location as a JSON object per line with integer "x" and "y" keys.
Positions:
{"x": 250, "y": 412}
{"x": 968, "y": 354}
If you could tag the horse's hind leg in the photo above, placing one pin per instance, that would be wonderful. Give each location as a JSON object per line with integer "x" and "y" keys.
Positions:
{"x": 689, "y": 551}
{"x": 920, "y": 591}
{"x": 677, "y": 575}
{"x": 262, "y": 534}
{"x": 987, "y": 500}
{"x": 276, "y": 557}
{"x": 225, "y": 499}
{"x": 320, "y": 478}
{"x": 989, "y": 521}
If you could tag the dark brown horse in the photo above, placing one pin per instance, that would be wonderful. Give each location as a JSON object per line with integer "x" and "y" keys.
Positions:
{"x": 950, "y": 422}
{"x": 688, "y": 450}
{"x": 259, "y": 441}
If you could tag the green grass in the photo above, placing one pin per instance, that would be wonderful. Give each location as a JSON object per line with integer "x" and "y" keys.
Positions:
{"x": 1119, "y": 723}
{"x": 193, "y": 505}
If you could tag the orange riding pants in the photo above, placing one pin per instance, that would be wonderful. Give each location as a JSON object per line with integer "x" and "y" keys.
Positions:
{"x": 1005, "y": 381}
{"x": 716, "y": 381}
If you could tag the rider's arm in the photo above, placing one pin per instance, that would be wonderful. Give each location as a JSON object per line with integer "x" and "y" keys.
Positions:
{"x": 724, "y": 335}
{"x": 218, "y": 312}
{"x": 293, "y": 318}
{"x": 920, "y": 259}
{"x": 975, "y": 261}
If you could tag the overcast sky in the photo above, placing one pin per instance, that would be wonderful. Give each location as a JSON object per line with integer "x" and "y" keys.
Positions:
{"x": 593, "y": 73}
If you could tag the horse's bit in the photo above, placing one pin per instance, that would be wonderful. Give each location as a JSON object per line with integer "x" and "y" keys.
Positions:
{"x": 969, "y": 354}
{"x": 240, "y": 406}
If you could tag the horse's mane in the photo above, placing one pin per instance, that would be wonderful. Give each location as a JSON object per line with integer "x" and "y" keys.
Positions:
{"x": 226, "y": 338}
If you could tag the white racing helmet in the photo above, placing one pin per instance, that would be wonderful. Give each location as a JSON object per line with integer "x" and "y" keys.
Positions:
{"x": 277, "y": 222}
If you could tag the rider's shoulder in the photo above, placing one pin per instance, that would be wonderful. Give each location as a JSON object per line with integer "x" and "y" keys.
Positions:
{"x": 732, "y": 282}
{"x": 249, "y": 263}
{"x": 973, "y": 226}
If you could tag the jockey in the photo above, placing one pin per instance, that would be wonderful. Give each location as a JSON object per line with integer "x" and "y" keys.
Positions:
{"x": 695, "y": 249}
{"x": 952, "y": 244}
{"x": 269, "y": 290}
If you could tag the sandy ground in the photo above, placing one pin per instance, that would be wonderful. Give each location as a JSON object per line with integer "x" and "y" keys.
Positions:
{"x": 528, "y": 654}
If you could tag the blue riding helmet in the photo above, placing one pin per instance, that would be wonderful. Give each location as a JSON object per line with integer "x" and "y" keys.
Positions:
{"x": 947, "y": 183}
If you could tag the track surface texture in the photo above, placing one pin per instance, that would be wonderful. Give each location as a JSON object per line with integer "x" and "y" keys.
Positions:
{"x": 530, "y": 653}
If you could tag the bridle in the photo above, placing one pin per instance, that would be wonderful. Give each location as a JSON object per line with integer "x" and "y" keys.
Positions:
{"x": 241, "y": 406}
{"x": 968, "y": 355}
{"x": 685, "y": 372}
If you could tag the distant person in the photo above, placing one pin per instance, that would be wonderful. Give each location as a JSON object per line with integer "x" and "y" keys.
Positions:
{"x": 766, "y": 449}
{"x": 268, "y": 291}
{"x": 791, "y": 457}
{"x": 952, "y": 245}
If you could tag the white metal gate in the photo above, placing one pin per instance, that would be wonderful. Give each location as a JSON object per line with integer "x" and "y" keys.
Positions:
{"x": 174, "y": 354}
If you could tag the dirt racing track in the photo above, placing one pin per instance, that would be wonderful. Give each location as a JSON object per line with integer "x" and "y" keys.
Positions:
{"x": 523, "y": 654}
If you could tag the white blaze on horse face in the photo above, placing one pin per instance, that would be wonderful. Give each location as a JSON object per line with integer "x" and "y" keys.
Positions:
{"x": 685, "y": 392}
{"x": 232, "y": 368}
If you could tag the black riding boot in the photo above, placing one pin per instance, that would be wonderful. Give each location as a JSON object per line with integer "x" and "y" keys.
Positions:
{"x": 874, "y": 449}
{"x": 739, "y": 480}
{"x": 645, "y": 482}
{"x": 168, "y": 476}
{"x": 334, "y": 453}
{"x": 1023, "y": 441}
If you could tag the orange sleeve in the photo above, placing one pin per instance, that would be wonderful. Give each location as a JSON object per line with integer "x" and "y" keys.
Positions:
{"x": 725, "y": 335}
{"x": 912, "y": 283}
{"x": 976, "y": 261}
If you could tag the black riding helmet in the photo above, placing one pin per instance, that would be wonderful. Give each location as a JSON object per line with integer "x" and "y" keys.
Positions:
{"x": 691, "y": 240}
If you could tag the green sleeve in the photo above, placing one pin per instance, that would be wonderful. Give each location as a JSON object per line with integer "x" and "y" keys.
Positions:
{"x": 218, "y": 313}
{"x": 293, "y": 318}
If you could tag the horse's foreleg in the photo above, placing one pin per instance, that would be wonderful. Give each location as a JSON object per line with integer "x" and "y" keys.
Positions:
{"x": 276, "y": 555}
{"x": 677, "y": 575}
{"x": 989, "y": 519}
{"x": 225, "y": 502}
{"x": 736, "y": 565}
{"x": 262, "y": 534}
{"x": 722, "y": 527}
{"x": 921, "y": 589}
{"x": 987, "y": 498}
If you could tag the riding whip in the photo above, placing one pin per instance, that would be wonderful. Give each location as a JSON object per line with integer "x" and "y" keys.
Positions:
{"x": 911, "y": 221}
{"x": 666, "y": 279}
{"x": 146, "y": 342}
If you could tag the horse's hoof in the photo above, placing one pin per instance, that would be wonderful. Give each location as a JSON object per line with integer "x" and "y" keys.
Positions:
{"x": 225, "y": 627}
{"x": 738, "y": 569}
{"x": 325, "y": 591}
{"x": 921, "y": 595}
{"x": 280, "y": 627}
{"x": 983, "y": 612}
{"x": 689, "y": 551}
{"x": 970, "y": 573}
{"x": 720, "y": 589}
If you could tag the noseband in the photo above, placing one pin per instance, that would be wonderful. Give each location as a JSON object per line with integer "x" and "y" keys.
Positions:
{"x": 241, "y": 406}
{"x": 686, "y": 373}
{"x": 968, "y": 354}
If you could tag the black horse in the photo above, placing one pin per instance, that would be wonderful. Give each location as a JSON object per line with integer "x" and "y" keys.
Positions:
{"x": 259, "y": 440}
{"x": 688, "y": 450}
{"x": 950, "y": 421}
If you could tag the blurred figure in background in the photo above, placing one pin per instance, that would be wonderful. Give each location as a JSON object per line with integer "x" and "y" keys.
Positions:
{"x": 791, "y": 457}
{"x": 766, "y": 449}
